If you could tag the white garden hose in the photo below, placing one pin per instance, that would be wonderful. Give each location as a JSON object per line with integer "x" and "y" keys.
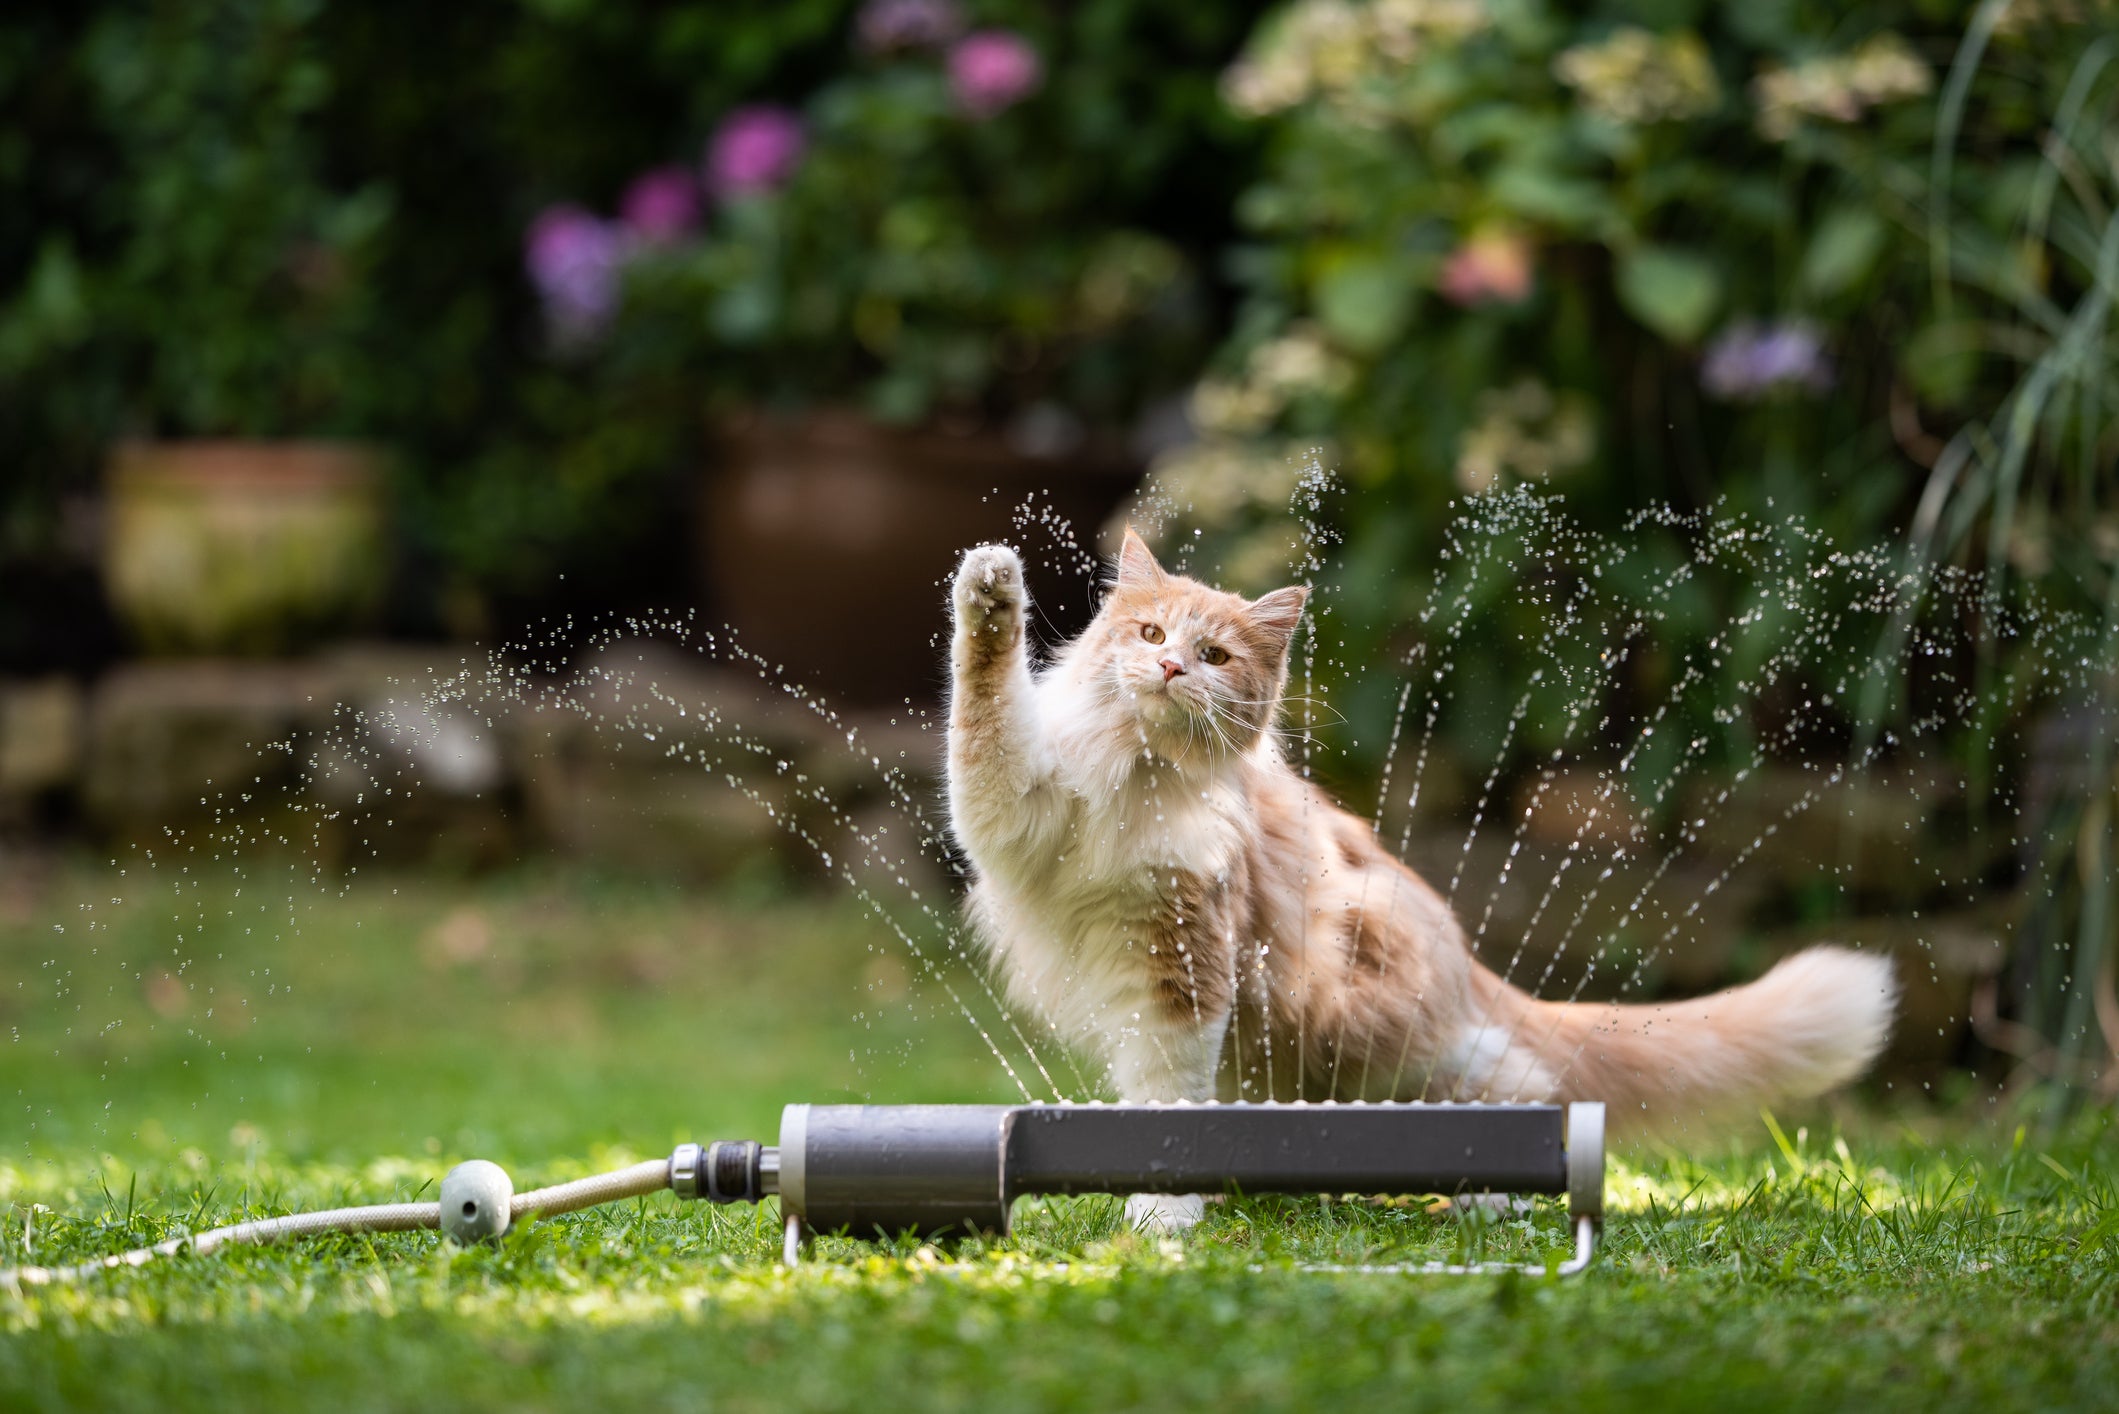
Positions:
{"x": 476, "y": 1202}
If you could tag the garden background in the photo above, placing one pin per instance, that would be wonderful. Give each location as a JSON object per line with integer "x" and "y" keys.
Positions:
{"x": 1696, "y": 419}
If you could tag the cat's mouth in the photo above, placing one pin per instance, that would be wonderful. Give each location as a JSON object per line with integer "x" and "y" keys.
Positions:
{"x": 1165, "y": 690}
{"x": 1170, "y": 706}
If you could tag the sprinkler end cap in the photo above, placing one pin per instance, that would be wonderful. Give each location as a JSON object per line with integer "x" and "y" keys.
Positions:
{"x": 474, "y": 1201}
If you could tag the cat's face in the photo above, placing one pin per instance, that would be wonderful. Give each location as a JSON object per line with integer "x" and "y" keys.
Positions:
{"x": 1200, "y": 671}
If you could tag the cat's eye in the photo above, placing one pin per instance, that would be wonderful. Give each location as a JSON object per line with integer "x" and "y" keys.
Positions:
{"x": 1214, "y": 655}
{"x": 1151, "y": 633}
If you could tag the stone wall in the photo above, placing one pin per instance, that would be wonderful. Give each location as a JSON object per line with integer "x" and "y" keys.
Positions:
{"x": 626, "y": 759}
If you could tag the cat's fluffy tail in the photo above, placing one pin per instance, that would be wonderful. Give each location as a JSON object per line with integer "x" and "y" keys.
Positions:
{"x": 1812, "y": 1023}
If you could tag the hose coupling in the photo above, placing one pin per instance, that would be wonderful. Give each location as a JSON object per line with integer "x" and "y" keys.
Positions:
{"x": 684, "y": 1170}
{"x": 726, "y": 1171}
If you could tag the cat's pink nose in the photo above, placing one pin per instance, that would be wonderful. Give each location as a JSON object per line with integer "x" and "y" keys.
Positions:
{"x": 1172, "y": 669}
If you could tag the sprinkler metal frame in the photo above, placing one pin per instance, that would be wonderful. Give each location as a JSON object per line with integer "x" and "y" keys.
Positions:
{"x": 940, "y": 1170}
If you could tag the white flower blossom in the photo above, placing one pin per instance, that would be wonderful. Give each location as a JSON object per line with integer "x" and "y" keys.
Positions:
{"x": 1841, "y": 87}
{"x": 1329, "y": 49}
{"x": 1636, "y": 77}
{"x": 1525, "y": 432}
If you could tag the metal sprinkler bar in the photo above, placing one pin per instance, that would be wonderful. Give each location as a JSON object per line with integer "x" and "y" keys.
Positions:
{"x": 939, "y": 1169}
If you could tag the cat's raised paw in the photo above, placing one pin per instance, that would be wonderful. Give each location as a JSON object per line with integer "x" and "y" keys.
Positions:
{"x": 1157, "y": 1213}
{"x": 989, "y": 582}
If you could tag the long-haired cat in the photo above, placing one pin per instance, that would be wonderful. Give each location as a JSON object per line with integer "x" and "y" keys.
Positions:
{"x": 1161, "y": 889}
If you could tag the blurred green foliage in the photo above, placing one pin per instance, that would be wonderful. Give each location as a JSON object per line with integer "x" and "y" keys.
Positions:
{"x": 214, "y": 281}
{"x": 1784, "y": 185}
{"x": 1787, "y": 260}
{"x": 294, "y": 217}
{"x": 922, "y": 261}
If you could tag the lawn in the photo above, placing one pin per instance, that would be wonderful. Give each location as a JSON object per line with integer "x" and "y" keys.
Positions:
{"x": 181, "y": 1057}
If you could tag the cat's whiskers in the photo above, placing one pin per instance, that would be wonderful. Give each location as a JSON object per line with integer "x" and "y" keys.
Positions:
{"x": 1273, "y": 703}
{"x": 1214, "y": 716}
{"x": 1191, "y": 736}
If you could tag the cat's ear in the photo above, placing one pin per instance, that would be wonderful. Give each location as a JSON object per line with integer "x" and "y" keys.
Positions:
{"x": 1136, "y": 563}
{"x": 1278, "y": 613}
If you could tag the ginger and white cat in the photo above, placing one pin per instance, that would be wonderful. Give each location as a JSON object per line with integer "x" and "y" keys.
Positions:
{"x": 1161, "y": 889}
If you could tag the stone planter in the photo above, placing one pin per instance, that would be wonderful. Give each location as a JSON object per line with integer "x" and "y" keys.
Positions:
{"x": 245, "y": 548}
{"x": 829, "y": 541}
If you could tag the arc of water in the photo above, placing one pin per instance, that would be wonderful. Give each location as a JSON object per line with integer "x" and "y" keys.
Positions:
{"x": 1691, "y": 675}
{"x": 1801, "y": 804}
{"x": 1427, "y": 1078}
{"x": 792, "y": 825}
{"x": 1862, "y": 760}
{"x": 1483, "y": 553}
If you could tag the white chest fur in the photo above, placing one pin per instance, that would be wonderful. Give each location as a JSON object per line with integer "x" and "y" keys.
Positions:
{"x": 1067, "y": 905}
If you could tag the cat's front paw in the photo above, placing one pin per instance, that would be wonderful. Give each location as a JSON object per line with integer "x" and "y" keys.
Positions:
{"x": 1157, "y": 1213}
{"x": 989, "y": 584}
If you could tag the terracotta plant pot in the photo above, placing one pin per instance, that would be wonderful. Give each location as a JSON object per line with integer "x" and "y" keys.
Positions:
{"x": 247, "y": 548}
{"x": 830, "y": 539}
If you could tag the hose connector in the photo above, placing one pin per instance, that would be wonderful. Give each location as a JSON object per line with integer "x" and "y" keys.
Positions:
{"x": 685, "y": 1162}
{"x": 726, "y": 1171}
{"x": 732, "y": 1171}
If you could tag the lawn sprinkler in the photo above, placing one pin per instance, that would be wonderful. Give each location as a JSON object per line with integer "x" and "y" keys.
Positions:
{"x": 942, "y": 1170}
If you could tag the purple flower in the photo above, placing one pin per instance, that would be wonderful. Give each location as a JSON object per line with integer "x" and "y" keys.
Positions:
{"x": 573, "y": 259}
{"x": 1748, "y": 362}
{"x": 754, "y": 150}
{"x": 661, "y": 206}
{"x": 992, "y": 69}
{"x": 886, "y": 25}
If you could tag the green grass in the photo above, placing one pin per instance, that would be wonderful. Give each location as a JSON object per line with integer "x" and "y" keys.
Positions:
{"x": 1904, "y": 1259}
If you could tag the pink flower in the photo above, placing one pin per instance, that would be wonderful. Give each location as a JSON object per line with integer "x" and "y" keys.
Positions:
{"x": 993, "y": 69}
{"x": 573, "y": 259}
{"x": 886, "y": 25}
{"x": 661, "y": 206}
{"x": 754, "y": 150}
{"x": 1492, "y": 267}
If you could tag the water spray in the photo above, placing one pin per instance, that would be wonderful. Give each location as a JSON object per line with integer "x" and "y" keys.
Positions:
{"x": 953, "y": 1170}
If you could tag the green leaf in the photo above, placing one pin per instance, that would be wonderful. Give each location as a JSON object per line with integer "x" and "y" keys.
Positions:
{"x": 1674, "y": 292}
{"x": 1844, "y": 249}
{"x": 1536, "y": 192}
{"x": 1941, "y": 361}
{"x": 1364, "y": 299}
{"x": 2105, "y": 1230}
{"x": 50, "y": 312}
{"x": 743, "y": 313}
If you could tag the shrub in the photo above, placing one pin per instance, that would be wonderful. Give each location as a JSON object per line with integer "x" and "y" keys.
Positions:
{"x": 187, "y": 268}
{"x": 970, "y": 222}
{"x": 1771, "y": 260}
